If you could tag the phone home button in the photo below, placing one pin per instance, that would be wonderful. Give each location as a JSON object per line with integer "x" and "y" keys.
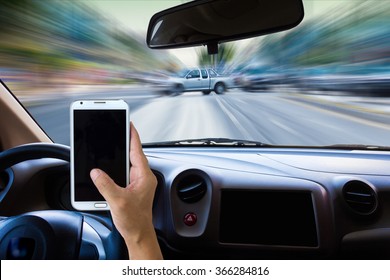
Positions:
{"x": 100, "y": 205}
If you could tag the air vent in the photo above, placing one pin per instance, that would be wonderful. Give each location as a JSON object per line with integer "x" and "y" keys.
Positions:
{"x": 191, "y": 187}
{"x": 360, "y": 197}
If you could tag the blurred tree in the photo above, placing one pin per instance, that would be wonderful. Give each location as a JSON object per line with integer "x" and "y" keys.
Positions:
{"x": 53, "y": 37}
{"x": 352, "y": 31}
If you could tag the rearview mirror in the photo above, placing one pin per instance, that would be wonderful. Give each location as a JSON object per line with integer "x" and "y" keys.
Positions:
{"x": 210, "y": 22}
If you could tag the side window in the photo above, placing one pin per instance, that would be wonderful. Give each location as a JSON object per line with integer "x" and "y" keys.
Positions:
{"x": 212, "y": 73}
{"x": 193, "y": 74}
{"x": 204, "y": 74}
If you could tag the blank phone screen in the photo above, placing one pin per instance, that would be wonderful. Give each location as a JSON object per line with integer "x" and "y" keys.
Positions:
{"x": 99, "y": 142}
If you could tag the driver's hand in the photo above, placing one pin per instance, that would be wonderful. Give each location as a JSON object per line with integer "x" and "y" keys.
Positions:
{"x": 131, "y": 207}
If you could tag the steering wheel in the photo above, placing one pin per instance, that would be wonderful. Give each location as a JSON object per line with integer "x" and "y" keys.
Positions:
{"x": 55, "y": 234}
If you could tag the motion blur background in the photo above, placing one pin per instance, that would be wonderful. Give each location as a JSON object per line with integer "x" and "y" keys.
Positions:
{"x": 61, "y": 50}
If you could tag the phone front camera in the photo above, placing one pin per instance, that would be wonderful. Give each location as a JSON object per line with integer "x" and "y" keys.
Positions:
{"x": 81, "y": 103}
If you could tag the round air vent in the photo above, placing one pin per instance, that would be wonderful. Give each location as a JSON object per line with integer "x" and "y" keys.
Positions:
{"x": 360, "y": 197}
{"x": 191, "y": 186}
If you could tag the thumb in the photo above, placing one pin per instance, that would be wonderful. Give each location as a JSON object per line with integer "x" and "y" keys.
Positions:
{"x": 105, "y": 185}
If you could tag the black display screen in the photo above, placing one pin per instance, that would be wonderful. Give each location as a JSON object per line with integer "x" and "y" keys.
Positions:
{"x": 99, "y": 141}
{"x": 267, "y": 218}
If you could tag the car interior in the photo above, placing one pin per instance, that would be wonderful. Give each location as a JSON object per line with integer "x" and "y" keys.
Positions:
{"x": 216, "y": 198}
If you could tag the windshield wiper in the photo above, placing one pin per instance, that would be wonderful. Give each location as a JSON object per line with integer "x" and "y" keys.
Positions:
{"x": 209, "y": 142}
{"x": 227, "y": 142}
{"x": 358, "y": 147}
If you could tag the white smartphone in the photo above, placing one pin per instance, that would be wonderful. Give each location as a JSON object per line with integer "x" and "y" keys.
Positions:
{"x": 99, "y": 132}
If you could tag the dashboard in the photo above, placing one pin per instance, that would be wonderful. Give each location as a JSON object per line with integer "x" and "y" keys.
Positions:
{"x": 240, "y": 203}
{"x": 278, "y": 203}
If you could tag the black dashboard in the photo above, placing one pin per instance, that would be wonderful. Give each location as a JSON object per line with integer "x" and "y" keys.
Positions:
{"x": 283, "y": 203}
{"x": 241, "y": 203}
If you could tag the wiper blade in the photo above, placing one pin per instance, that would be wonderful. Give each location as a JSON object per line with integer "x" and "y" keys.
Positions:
{"x": 222, "y": 142}
{"x": 210, "y": 142}
{"x": 358, "y": 147}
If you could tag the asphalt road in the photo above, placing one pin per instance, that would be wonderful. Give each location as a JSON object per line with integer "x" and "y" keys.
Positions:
{"x": 280, "y": 117}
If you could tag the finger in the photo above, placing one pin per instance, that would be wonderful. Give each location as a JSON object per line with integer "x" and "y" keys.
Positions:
{"x": 134, "y": 139}
{"x": 137, "y": 156}
{"x": 105, "y": 185}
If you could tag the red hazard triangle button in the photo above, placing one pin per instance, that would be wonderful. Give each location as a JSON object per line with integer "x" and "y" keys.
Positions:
{"x": 190, "y": 219}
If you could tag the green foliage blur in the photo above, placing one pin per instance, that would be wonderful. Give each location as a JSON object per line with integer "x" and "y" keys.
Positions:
{"x": 44, "y": 43}
{"x": 354, "y": 32}
{"x": 61, "y": 42}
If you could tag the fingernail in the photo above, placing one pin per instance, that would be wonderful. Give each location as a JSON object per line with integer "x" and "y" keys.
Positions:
{"x": 95, "y": 173}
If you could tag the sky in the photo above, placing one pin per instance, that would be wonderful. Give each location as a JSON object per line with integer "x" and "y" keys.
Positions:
{"x": 135, "y": 15}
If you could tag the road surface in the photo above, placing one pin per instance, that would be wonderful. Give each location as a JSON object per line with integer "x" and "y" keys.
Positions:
{"x": 279, "y": 117}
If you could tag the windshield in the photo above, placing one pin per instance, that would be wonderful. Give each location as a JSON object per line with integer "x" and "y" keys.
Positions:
{"x": 325, "y": 82}
{"x": 181, "y": 73}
